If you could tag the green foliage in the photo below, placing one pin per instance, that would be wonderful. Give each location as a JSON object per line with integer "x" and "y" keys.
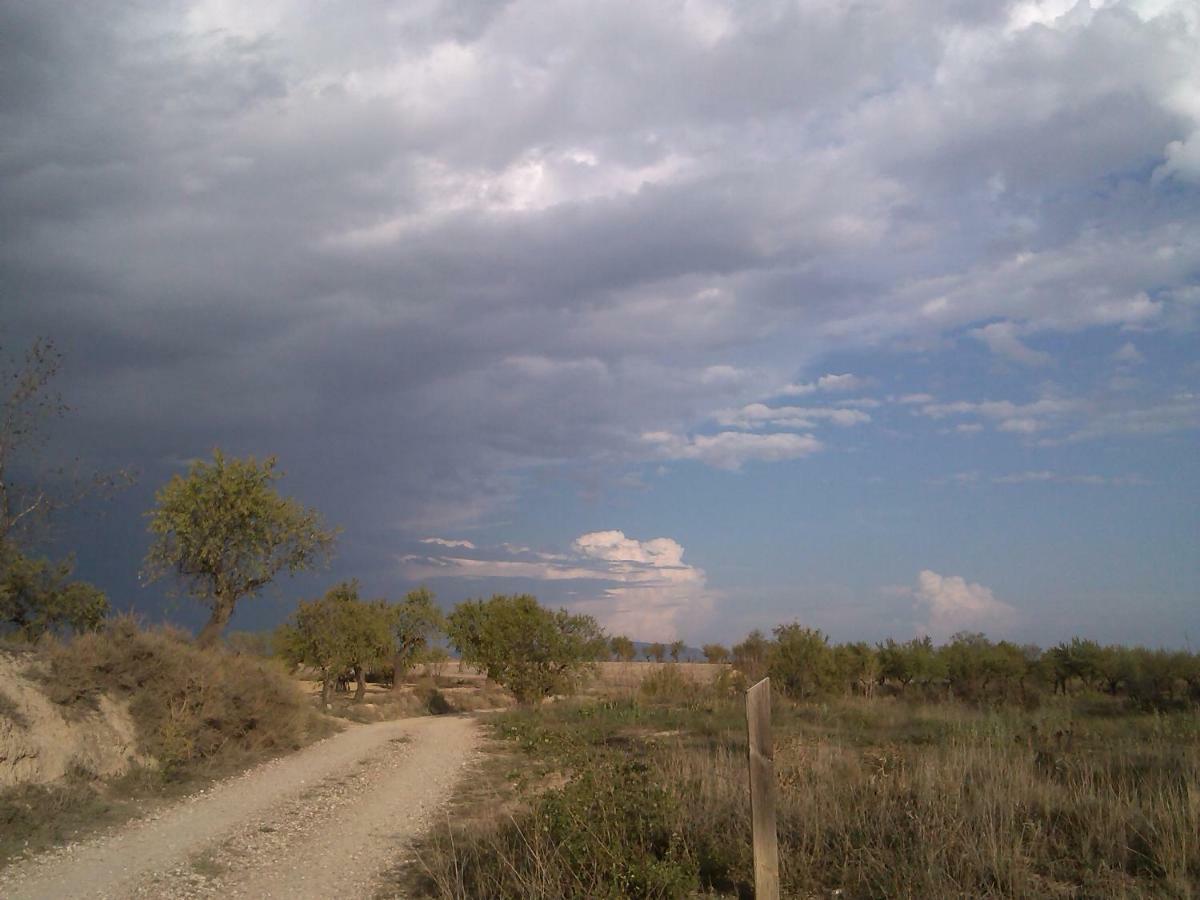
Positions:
{"x": 800, "y": 663}
{"x": 338, "y": 633}
{"x": 656, "y": 652}
{"x": 37, "y": 596}
{"x": 225, "y": 532}
{"x": 715, "y": 653}
{"x": 622, "y": 648}
{"x": 750, "y": 656}
{"x": 415, "y": 621}
{"x": 876, "y": 799}
{"x": 677, "y": 647}
{"x": 532, "y": 651}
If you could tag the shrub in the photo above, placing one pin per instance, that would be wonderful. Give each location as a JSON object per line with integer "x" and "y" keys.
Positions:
{"x": 609, "y": 833}
{"x": 193, "y": 708}
{"x": 533, "y": 651}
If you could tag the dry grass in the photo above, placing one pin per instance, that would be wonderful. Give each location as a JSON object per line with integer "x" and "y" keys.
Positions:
{"x": 194, "y": 709}
{"x": 877, "y": 799}
{"x": 624, "y": 677}
{"x": 199, "y": 714}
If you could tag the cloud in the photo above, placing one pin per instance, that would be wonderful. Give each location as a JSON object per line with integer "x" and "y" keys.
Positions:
{"x": 443, "y": 542}
{"x": 651, "y": 593}
{"x": 757, "y": 415}
{"x": 951, "y": 604}
{"x": 1002, "y": 339}
{"x": 1018, "y": 418}
{"x": 469, "y": 243}
{"x": 827, "y": 384}
{"x": 1128, "y": 354}
{"x": 732, "y": 449}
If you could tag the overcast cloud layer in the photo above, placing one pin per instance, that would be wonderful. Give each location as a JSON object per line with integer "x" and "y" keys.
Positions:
{"x": 470, "y": 267}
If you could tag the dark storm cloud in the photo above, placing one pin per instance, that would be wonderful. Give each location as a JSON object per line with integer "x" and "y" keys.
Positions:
{"x": 424, "y": 250}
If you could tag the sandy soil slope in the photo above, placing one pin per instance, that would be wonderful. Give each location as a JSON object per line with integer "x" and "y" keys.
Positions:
{"x": 324, "y": 822}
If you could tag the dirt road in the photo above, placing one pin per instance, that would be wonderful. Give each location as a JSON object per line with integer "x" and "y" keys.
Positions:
{"x": 324, "y": 822}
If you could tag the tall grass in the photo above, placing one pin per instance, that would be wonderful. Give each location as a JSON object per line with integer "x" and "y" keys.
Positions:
{"x": 877, "y": 799}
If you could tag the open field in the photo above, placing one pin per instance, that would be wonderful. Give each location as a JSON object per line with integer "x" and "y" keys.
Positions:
{"x": 630, "y": 796}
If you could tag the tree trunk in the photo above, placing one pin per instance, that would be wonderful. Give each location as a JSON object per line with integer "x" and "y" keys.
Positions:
{"x": 361, "y": 692}
{"x": 397, "y": 670}
{"x": 222, "y": 610}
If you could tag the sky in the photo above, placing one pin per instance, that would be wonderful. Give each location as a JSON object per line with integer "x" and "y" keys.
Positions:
{"x": 695, "y": 316}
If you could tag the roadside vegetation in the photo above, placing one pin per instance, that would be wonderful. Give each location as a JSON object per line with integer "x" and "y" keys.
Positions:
{"x": 905, "y": 770}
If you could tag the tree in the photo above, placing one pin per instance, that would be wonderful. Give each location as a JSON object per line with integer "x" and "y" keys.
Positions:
{"x": 677, "y": 647}
{"x": 532, "y": 651}
{"x": 415, "y": 621}
{"x": 336, "y": 634}
{"x": 622, "y": 648}
{"x": 800, "y": 663}
{"x": 857, "y": 667}
{"x": 715, "y": 653}
{"x": 225, "y": 532}
{"x": 656, "y": 652}
{"x": 27, "y": 403}
{"x": 750, "y": 656}
{"x": 36, "y": 596}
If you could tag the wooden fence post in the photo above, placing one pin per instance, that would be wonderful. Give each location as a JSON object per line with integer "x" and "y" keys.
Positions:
{"x": 762, "y": 791}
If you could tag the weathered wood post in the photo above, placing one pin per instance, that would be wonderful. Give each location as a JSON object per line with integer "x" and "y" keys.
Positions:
{"x": 762, "y": 791}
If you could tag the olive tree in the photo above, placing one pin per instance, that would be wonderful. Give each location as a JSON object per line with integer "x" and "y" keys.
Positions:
{"x": 225, "y": 532}
{"x": 415, "y": 620}
{"x": 533, "y": 651}
{"x": 338, "y": 633}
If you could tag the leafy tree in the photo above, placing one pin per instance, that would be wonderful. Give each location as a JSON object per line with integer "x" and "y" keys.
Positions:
{"x": 225, "y": 532}
{"x": 656, "y": 652}
{"x": 1117, "y": 667}
{"x": 800, "y": 663}
{"x": 622, "y": 648}
{"x": 336, "y": 634}
{"x": 37, "y": 596}
{"x": 750, "y": 656}
{"x": 1077, "y": 659}
{"x": 715, "y": 653}
{"x": 677, "y": 647}
{"x": 913, "y": 661}
{"x": 415, "y": 621}
{"x": 965, "y": 659}
{"x": 533, "y": 651}
{"x": 856, "y": 667}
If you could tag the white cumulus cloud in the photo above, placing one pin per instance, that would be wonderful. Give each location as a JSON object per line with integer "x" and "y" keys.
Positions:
{"x": 950, "y": 603}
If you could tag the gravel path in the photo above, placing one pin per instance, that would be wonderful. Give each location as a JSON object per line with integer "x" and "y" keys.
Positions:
{"x": 323, "y": 822}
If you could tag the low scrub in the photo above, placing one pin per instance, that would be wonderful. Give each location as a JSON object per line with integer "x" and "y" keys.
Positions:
{"x": 196, "y": 711}
{"x": 877, "y": 799}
